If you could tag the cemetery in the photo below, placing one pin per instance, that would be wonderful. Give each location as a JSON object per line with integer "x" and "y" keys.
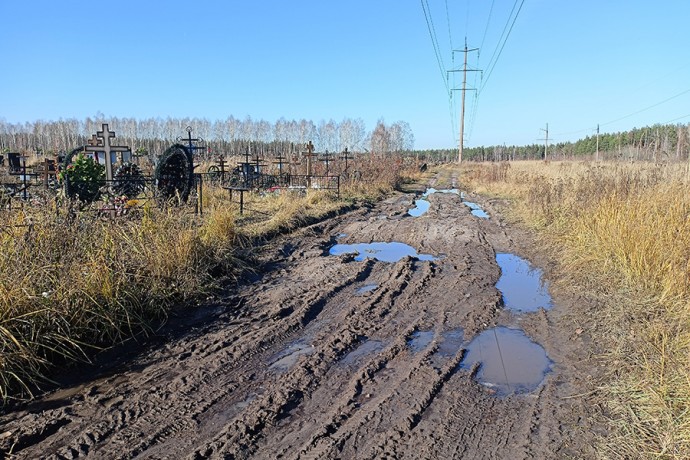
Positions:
{"x": 109, "y": 178}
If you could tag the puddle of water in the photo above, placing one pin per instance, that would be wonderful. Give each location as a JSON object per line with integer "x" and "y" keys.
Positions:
{"x": 368, "y": 347}
{"x": 451, "y": 341}
{"x": 521, "y": 284}
{"x": 476, "y": 210}
{"x": 432, "y": 190}
{"x": 288, "y": 357}
{"x": 341, "y": 235}
{"x": 449, "y": 344}
{"x": 385, "y": 252}
{"x": 422, "y": 206}
{"x": 366, "y": 288}
{"x": 420, "y": 340}
{"x": 510, "y": 361}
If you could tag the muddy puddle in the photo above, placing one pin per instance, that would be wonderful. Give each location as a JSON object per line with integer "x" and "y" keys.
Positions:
{"x": 419, "y": 340}
{"x": 286, "y": 359}
{"x": 365, "y": 349}
{"x": 366, "y": 288}
{"x": 422, "y": 205}
{"x": 476, "y": 210}
{"x": 432, "y": 190}
{"x": 521, "y": 284}
{"x": 510, "y": 363}
{"x": 384, "y": 252}
{"x": 449, "y": 344}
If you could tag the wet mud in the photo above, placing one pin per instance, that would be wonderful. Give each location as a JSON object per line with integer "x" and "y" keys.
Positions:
{"x": 327, "y": 355}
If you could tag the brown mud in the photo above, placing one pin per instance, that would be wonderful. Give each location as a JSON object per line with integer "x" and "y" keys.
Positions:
{"x": 321, "y": 356}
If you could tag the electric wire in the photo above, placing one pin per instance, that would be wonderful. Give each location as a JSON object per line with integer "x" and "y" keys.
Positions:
{"x": 632, "y": 114}
{"x": 503, "y": 33}
{"x": 490, "y": 71}
{"x": 450, "y": 36}
{"x": 439, "y": 59}
{"x": 646, "y": 108}
{"x": 486, "y": 28}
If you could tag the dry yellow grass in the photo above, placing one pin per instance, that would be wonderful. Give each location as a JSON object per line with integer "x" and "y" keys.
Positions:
{"x": 624, "y": 231}
{"x": 72, "y": 284}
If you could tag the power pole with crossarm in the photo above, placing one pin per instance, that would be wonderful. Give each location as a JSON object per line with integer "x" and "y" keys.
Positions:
{"x": 464, "y": 89}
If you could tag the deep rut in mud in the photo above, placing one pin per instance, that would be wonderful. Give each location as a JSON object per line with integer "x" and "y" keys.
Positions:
{"x": 324, "y": 356}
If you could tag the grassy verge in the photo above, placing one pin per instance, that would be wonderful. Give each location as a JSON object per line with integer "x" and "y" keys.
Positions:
{"x": 72, "y": 285}
{"x": 623, "y": 231}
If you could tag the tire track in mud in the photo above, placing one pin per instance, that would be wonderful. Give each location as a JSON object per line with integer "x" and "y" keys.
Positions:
{"x": 359, "y": 321}
{"x": 298, "y": 364}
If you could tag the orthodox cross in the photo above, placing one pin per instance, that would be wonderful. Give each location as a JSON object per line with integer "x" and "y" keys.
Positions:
{"x": 102, "y": 141}
{"x": 346, "y": 156}
{"x": 190, "y": 141}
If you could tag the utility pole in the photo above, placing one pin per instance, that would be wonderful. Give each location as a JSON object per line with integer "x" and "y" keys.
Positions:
{"x": 464, "y": 90}
{"x": 597, "y": 142}
{"x": 546, "y": 140}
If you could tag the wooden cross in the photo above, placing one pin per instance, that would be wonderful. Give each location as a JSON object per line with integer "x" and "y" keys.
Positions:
{"x": 310, "y": 154}
{"x": 103, "y": 139}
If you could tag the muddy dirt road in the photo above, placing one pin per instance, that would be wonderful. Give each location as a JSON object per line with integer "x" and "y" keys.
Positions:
{"x": 327, "y": 356}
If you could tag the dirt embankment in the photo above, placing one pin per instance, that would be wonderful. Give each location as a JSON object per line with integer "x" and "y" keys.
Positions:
{"x": 325, "y": 356}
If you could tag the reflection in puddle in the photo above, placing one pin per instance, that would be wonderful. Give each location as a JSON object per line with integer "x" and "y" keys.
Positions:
{"x": 366, "y": 348}
{"x": 366, "y": 288}
{"x": 432, "y": 190}
{"x": 420, "y": 340}
{"x": 341, "y": 235}
{"x": 510, "y": 361}
{"x": 422, "y": 206}
{"x": 385, "y": 252}
{"x": 521, "y": 284}
{"x": 476, "y": 210}
{"x": 288, "y": 357}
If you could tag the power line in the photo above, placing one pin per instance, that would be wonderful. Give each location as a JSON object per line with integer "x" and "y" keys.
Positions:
{"x": 432, "y": 34}
{"x": 504, "y": 44}
{"x": 634, "y": 113}
{"x": 450, "y": 37}
{"x": 646, "y": 108}
{"x": 486, "y": 29}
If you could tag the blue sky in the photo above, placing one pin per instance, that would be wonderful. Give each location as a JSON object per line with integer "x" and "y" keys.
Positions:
{"x": 571, "y": 64}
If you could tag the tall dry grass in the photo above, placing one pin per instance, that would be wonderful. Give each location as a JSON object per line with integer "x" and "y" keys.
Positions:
{"x": 72, "y": 284}
{"x": 622, "y": 230}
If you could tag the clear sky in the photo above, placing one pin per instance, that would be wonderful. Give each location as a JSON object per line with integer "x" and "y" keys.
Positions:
{"x": 571, "y": 64}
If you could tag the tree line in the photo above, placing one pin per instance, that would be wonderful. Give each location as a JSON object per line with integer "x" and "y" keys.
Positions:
{"x": 659, "y": 142}
{"x": 231, "y": 136}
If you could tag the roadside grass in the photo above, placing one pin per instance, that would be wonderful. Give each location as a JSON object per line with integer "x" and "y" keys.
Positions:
{"x": 622, "y": 230}
{"x": 72, "y": 285}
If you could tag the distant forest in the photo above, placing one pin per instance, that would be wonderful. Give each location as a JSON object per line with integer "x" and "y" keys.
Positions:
{"x": 234, "y": 136}
{"x": 654, "y": 143}
{"x": 231, "y": 136}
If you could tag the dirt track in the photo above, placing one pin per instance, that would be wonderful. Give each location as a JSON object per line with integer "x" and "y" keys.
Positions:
{"x": 302, "y": 363}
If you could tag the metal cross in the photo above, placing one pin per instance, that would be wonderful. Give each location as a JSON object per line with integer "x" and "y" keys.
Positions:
{"x": 190, "y": 141}
{"x": 346, "y": 156}
{"x": 326, "y": 159}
